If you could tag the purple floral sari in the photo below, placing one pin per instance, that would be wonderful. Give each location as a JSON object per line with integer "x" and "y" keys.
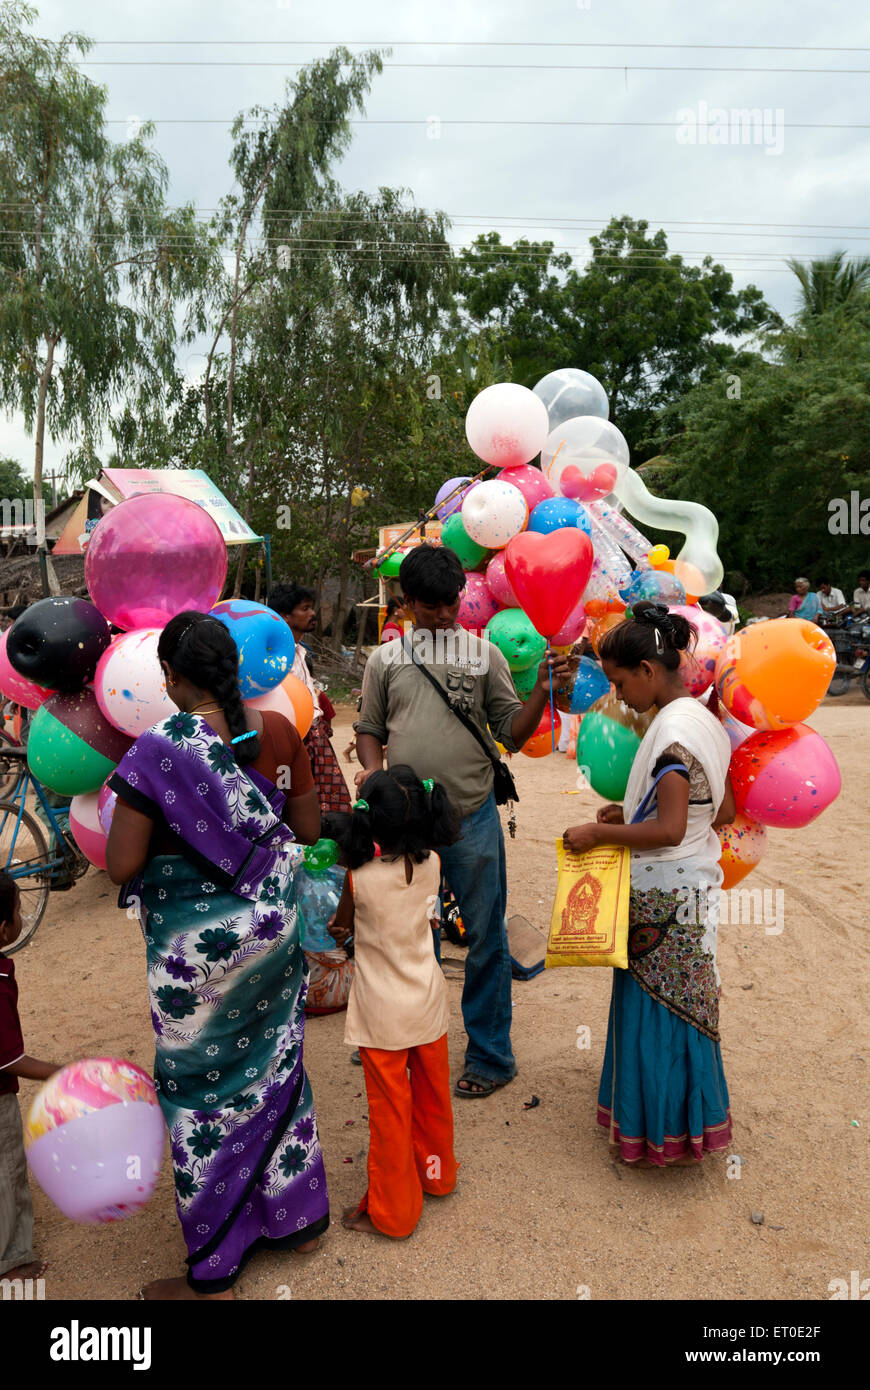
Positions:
{"x": 227, "y": 980}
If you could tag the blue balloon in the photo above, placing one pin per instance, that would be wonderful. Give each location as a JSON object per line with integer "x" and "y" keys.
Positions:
{"x": 264, "y": 641}
{"x": 658, "y": 585}
{"x": 555, "y": 513}
{"x": 590, "y": 684}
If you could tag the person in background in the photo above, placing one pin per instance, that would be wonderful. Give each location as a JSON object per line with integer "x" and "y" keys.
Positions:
{"x": 398, "y": 1009}
{"x": 296, "y": 605}
{"x": 802, "y": 603}
{"x": 831, "y": 600}
{"x": 400, "y": 708}
{"x": 861, "y": 596}
{"x": 16, "y": 1208}
{"x": 393, "y": 620}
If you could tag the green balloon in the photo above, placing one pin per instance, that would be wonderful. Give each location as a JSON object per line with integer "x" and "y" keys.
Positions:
{"x": 61, "y": 760}
{"x": 389, "y": 568}
{"x": 524, "y": 681}
{"x": 321, "y": 856}
{"x": 606, "y": 751}
{"x": 457, "y": 539}
{"x": 516, "y": 637}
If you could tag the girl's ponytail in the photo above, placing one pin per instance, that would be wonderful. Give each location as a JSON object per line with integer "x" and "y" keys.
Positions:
{"x": 444, "y": 820}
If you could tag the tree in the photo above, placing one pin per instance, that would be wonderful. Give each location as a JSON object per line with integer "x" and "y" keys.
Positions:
{"x": 831, "y": 282}
{"x": 771, "y": 457}
{"x": 92, "y": 265}
{"x": 641, "y": 320}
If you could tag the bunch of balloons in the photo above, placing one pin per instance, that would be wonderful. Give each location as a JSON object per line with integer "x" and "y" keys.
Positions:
{"x": 550, "y": 557}
{"x": 92, "y": 693}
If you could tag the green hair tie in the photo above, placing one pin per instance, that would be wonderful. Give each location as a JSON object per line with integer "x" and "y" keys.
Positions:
{"x": 361, "y": 805}
{"x": 428, "y": 785}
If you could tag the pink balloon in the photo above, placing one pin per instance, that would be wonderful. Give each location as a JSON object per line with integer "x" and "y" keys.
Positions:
{"x": 530, "y": 481}
{"x": 478, "y": 604}
{"x": 152, "y": 556}
{"x": 498, "y": 583}
{"x": 784, "y": 777}
{"x": 572, "y": 628}
{"x": 16, "y": 687}
{"x": 698, "y": 668}
{"x": 86, "y": 827}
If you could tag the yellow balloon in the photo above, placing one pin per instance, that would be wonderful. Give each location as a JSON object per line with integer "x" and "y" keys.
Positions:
{"x": 658, "y": 555}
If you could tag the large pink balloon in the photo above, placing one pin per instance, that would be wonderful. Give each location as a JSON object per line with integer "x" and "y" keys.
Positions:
{"x": 478, "y": 604}
{"x": 506, "y": 425}
{"x": 16, "y": 687}
{"x": 152, "y": 556}
{"x": 784, "y": 777}
{"x": 499, "y": 585}
{"x": 531, "y": 483}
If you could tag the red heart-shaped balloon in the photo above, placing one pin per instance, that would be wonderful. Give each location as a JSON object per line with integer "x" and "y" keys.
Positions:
{"x": 548, "y": 574}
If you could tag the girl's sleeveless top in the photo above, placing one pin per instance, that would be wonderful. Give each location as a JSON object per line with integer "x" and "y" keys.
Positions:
{"x": 399, "y": 996}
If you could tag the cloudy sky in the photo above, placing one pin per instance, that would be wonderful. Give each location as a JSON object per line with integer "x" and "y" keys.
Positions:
{"x": 622, "y": 85}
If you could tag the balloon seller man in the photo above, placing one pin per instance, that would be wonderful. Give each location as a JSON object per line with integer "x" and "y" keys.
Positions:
{"x": 416, "y": 698}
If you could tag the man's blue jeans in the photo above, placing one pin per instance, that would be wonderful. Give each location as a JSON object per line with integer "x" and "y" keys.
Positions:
{"x": 475, "y": 870}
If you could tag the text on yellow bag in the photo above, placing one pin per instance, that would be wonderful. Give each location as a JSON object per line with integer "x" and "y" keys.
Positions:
{"x": 589, "y": 925}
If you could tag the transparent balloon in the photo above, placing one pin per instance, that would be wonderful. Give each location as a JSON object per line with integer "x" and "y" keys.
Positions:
{"x": 584, "y": 458}
{"x": 569, "y": 392}
{"x": 696, "y": 522}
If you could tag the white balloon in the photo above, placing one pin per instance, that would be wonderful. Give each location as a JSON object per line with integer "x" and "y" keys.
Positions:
{"x": 507, "y": 425}
{"x": 569, "y": 392}
{"x": 493, "y": 513}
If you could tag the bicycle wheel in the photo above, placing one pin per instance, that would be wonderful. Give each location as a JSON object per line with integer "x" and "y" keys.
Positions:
{"x": 10, "y": 767}
{"x": 24, "y": 855}
{"x": 841, "y": 680}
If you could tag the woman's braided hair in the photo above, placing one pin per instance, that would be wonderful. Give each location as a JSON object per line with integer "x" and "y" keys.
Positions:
{"x": 200, "y": 648}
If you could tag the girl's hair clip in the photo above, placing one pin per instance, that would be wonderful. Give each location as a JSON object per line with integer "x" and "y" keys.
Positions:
{"x": 428, "y": 785}
{"x": 242, "y": 737}
{"x": 361, "y": 805}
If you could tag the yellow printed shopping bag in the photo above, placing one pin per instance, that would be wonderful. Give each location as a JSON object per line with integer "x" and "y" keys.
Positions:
{"x": 589, "y": 925}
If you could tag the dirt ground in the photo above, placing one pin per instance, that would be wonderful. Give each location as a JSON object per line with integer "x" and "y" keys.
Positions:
{"x": 540, "y": 1211}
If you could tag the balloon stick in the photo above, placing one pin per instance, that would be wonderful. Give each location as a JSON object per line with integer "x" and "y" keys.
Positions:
{"x": 552, "y": 718}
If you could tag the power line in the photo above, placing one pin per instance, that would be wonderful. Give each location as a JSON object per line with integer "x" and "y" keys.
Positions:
{"x": 449, "y": 121}
{"x": 468, "y": 43}
{"x": 470, "y": 67}
{"x": 535, "y": 221}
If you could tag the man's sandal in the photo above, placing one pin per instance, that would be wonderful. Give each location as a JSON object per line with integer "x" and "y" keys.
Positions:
{"x": 486, "y": 1084}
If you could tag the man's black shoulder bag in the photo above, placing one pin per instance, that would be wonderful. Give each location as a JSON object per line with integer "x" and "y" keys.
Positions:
{"x": 503, "y": 783}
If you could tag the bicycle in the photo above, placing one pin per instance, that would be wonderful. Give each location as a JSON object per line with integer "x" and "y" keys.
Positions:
{"x": 24, "y": 852}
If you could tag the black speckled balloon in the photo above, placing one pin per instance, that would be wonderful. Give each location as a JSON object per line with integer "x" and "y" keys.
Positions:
{"x": 57, "y": 642}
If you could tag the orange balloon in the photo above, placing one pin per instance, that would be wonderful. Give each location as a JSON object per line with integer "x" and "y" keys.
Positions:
{"x": 603, "y": 626}
{"x": 743, "y": 843}
{"x": 597, "y": 607}
{"x": 775, "y": 673}
{"x": 293, "y": 699}
{"x": 541, "y": 741}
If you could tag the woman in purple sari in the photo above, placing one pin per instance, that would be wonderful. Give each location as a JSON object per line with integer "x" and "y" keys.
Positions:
{"x": 200, "y": 844}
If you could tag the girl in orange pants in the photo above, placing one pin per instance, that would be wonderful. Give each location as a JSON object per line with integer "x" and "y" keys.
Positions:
{"x": 397, "y": 1011}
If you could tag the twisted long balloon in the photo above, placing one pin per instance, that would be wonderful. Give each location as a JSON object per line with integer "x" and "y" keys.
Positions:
{"x": 697, "y": 523}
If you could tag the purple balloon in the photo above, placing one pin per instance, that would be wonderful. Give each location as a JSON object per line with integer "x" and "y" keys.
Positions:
{"x": 455, "y": 502}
